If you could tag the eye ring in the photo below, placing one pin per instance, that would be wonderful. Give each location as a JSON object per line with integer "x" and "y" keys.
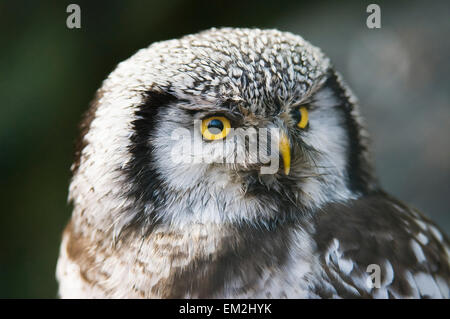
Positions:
{"x": 303, "y": 121}
{"x": 215, "y": 128}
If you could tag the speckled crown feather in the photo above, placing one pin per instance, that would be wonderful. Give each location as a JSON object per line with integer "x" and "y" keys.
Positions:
{"x": 243, "y": 65}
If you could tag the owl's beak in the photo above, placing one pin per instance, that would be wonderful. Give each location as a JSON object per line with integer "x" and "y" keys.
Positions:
{"x": 285, "y": 151}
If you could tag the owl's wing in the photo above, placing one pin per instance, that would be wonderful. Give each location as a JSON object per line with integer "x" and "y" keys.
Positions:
{"x": 378, "y": 235}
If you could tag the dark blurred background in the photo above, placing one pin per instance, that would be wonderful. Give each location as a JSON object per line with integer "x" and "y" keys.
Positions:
{"x": 49, "y": 73}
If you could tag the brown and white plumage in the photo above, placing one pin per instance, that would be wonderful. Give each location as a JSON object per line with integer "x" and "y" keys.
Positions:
{"x": 144, "y": 226}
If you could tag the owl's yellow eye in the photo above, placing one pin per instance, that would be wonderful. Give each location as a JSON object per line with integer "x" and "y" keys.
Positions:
{"x": 301, "y": 116}
{"x": 215, "y": 128}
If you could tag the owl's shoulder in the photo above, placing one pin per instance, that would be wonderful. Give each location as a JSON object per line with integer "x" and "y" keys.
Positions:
{"x": 379, "y": 233}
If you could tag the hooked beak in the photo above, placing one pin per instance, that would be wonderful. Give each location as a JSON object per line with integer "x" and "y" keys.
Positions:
{"x": 285, "y": 151}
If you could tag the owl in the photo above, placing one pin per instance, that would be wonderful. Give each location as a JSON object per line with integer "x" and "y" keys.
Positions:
{"x": 234, "y": 163}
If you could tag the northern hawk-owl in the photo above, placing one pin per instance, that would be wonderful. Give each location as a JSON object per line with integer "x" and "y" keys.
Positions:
{"x": 319, "y": 226}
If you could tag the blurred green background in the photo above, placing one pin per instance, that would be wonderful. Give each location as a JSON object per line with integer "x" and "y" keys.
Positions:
{"x": 49, "y": 73}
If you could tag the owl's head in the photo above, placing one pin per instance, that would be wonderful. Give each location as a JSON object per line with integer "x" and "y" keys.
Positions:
{"x": 223, "y": 126}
